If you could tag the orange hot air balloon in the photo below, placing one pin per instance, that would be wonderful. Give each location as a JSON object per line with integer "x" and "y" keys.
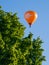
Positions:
{"x": 30, "y": 17}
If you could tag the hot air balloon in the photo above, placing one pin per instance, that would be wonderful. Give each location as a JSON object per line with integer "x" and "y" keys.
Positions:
{"x": 30, "y": 17}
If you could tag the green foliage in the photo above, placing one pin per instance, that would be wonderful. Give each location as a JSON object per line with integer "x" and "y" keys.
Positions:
{"x": 31, "y": 51}
{"x": 14, "y": 49}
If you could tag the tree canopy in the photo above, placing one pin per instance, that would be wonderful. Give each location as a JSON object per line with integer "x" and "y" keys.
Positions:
{"x": 14, "y": 49}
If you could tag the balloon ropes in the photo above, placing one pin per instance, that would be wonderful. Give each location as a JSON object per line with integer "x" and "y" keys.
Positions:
{"x": 30, "y": 17}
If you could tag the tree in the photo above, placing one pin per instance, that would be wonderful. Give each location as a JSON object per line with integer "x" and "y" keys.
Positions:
{"x": 31, "y": 51}
{"x": 14, "y": 49}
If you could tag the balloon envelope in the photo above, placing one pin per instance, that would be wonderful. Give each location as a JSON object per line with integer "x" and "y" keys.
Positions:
{"x": 30, "y": 17}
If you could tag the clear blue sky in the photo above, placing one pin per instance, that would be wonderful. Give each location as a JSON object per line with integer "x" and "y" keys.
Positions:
{"x": 40, "y": 27}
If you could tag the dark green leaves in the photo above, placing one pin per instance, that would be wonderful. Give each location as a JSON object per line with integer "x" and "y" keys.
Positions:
{"x": 14, "y": 49}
